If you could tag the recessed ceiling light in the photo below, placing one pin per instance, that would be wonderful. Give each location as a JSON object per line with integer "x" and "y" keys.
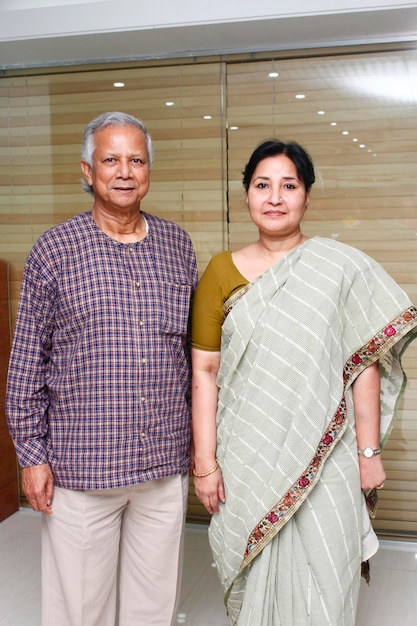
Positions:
{"x": 118, "y": 84}
{"x": 300, "y": 96}
{"x": 333, "y": 123}
{"x": 234, "y": 128}
{"x": 273, "y": 74}
{"x": 362, "y": 145}
{"x": 169, "y": 104}
{"x": 321, "y": 112}
{"x": 345, "y": 132}
{"x": 355, "y": 139}
{"x": 207, "y": 117}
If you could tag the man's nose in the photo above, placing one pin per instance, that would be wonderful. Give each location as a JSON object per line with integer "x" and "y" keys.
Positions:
{"x": 124, "y": 168}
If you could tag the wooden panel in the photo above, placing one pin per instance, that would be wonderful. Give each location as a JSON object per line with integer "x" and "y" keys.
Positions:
{"x": 9, "y": 502}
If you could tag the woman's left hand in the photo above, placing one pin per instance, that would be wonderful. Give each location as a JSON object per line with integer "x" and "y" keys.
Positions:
{"x": 372, "y": 472}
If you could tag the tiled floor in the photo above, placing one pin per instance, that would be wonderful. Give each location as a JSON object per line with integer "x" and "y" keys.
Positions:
{"x": 391, "y": 599}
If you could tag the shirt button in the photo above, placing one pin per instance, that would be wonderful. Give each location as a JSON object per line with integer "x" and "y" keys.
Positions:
{"x": 137, "y": 284}
{"x": 141, "y": 323}
{"x": 143, "y": 399}
{"x": 143, "y": 360}
{"x": 142, "y": 434}
{"x": 131, "y": 250}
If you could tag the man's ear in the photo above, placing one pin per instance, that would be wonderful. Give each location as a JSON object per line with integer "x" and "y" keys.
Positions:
{"x": 86, "y": 170}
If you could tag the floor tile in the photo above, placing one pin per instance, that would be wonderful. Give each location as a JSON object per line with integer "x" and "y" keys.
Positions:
{"x": 389, "y": 600}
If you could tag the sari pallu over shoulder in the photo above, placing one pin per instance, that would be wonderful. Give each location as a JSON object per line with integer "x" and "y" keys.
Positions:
{"x": 292, "y": 345}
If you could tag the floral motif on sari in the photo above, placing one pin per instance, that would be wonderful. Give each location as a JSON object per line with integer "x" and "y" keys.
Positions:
{"x": 383, "y": 340}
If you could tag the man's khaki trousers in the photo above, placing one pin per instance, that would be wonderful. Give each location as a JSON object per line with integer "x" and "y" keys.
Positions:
{"x": 114, "y": 556}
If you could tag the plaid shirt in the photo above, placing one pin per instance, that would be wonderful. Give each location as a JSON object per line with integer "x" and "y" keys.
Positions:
{"x": 99, "y": 375}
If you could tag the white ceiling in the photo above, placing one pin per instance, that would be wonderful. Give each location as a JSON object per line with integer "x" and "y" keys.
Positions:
{"x": 282, "y": 33}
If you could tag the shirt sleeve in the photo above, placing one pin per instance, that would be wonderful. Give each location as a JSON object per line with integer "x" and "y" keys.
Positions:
{"x": 26, "y": 394}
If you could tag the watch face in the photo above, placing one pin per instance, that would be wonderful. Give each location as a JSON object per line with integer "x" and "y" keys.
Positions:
{"x": 368, "y": 452}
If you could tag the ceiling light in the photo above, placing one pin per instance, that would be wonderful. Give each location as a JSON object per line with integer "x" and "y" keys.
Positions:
{"x": 169, "y": 104}
{"x": 300, "y": 96}
{"x": 321, "y": 112}
{"x": 207, "y": 117}
{"x": 333, "y": 123}
{"x": 362, "y": 145}
{"x": 273, "y": 74}
{"x": 234, "y": 128}
{"x": 345, "y": 132}
{"x": 118, "y": 84}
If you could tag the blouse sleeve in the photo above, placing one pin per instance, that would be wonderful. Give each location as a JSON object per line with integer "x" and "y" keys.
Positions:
{"x": 219, "y": 280}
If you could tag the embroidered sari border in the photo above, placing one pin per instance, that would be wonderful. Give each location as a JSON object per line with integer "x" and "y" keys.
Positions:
{"x": 278, "y": 516}
{"x": 236, "y": 296}
{"x": 381, "y": 343}
{"x": 285, "y": 508}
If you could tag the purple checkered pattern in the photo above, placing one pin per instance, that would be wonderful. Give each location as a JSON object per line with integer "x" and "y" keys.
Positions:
{"x": 99, "y": 376}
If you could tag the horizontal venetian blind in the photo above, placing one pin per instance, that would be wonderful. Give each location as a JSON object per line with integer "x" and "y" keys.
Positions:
{"x": 364, "y": 196}
{"x": 42, "y": 119}
{"x": 357, "y": 116}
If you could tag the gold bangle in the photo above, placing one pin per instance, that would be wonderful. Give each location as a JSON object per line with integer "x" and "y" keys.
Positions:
{"x": 215, "y": 468}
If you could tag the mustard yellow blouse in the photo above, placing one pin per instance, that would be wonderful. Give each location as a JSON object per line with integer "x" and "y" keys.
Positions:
{"x": 220, "y": 279}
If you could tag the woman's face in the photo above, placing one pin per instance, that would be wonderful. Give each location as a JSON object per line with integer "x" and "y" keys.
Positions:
{"x": 277, "y": 198}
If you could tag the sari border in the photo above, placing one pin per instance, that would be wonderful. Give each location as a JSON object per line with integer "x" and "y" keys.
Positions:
{"x": 381, "y": 343}
{"x": 232, "y": 300}
{"x": 284, "y": 509}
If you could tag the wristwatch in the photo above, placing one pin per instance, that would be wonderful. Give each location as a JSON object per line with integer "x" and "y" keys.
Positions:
{"x": 369, "y": 452}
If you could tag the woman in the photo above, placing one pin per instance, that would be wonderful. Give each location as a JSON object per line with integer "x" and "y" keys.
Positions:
{"x": 296, "y": 347}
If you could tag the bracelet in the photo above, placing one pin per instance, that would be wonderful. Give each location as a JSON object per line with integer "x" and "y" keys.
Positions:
{"x": 215, "y": 468}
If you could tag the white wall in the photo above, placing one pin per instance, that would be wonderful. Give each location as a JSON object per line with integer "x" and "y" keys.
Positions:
{"x": 56, "y": 31}
{"x": 37, "y": 18}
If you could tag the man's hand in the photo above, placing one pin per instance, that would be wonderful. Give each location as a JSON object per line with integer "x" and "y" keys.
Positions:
{"x": 38, "y": 485}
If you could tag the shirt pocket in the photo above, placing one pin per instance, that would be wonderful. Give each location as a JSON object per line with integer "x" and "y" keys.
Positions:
{"x": 175, "y": 299}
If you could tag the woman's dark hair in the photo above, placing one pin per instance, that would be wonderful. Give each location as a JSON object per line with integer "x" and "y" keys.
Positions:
{"x": 274, "y": 147}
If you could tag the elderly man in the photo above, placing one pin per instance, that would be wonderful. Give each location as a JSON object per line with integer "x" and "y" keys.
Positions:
{"x": 98, "y": 393}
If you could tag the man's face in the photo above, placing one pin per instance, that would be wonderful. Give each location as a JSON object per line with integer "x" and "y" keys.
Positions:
{"x": 120, "y": 172}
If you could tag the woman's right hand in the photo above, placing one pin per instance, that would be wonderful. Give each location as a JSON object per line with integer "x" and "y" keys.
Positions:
{"x": 208, "y": 485}
{"x": 210, "y": 490}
